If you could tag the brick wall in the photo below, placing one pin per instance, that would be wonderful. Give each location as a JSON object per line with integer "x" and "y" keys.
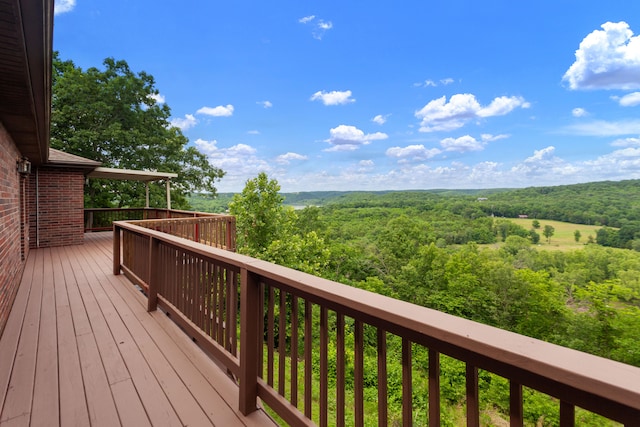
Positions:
{"x": 13, "y": 229}
{"x": 57, "y": 195}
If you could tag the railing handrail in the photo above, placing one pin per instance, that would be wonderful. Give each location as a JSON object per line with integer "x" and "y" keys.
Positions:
{"x": 101, "y": 219}
{"x": 600, "y": 385}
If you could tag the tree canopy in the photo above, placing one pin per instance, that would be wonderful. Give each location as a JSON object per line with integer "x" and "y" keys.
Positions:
{"x": 113, "y": 116}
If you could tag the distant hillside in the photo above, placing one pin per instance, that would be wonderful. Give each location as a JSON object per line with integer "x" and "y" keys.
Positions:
{"x": 606, "y": 203}
{"x": 323, "y": 198}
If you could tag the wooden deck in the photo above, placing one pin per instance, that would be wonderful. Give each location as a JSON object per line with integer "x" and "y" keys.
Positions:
{"x": 80, "y": 349}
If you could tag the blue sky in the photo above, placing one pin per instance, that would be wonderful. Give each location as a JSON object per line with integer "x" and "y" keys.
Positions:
{"x": 384, "y": 95}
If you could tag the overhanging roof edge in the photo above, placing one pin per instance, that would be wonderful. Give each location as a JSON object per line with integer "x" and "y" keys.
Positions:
{"x": 130, "y": 174}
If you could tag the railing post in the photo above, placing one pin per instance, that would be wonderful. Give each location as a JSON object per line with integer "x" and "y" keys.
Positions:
{"x": 567, "y": 414}
{"x": 434, "y": 388}
{"x": 116, "y": 249}
{"x": 230, "y": 235}
{"x": 473, "y": 402}
{"x": 152, "y": 296}
{"x": 250, "y": 315}
{"x": 516, "y": 411}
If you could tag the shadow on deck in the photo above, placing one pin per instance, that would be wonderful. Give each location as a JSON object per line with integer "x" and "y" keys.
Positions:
{"x": 80, "y": 348}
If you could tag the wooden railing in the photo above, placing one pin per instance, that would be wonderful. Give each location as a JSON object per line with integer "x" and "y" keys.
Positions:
{"x": 244, "y": 311}
{"x": 101, "y": 219}
{"x": 218, "y": 231}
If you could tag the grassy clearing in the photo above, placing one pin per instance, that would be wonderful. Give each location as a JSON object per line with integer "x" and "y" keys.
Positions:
{"x": 563, "y": 237}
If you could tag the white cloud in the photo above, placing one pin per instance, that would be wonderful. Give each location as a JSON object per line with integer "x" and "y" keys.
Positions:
{"x": 440, "y": 115}
{"x": 320, "y": 26}
{"x": 626, "y": 142}
{"x": 265, "y": 104}
{"x": 253, "y": 132}
{"x": 412, "y": 153}
{"x": 544, "y": 164}
{"x": 579, "y": 112}
{"x": 285, "y": 159}
{"x": 63, "y": 6}
{"x": 630, "y": 100}
{"x": 333, "y": 98}
{"x": 240, "y": 162}
{"x": 219, "y": 111}
{"x": 619, "y": 164}
{"x": 544, "y": 154}
{"x": 325, "y": 25}
{"x": 489, "y": 138}
{"x": 463, "y": 144}
{"x": 431, "y": 83}
{"x": 604, "y": 128}
{"x": 349, "y": 138}
{"x": 503, "y": 105}
{"x": 607, "y": 59}
{"x": 185, "y": 123}
{"x": 380, "y": 119}
{"x": 307, "y": 19}
{"x": 366, "y": 164}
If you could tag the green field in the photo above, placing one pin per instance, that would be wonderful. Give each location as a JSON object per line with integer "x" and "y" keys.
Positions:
{"x": 563, "y": 236}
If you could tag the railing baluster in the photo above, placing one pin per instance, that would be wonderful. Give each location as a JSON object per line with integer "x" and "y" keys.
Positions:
{"x": 270, "y": 336}
{"x": 282, "y": 341}
{"x": 407, "y": 384}
{"x": 516, "y": 418}
{"x": 230, "y": 322}
{"x": 382, "y": 378}
{"x": 308, "y": 339}
{"x": 567, "y": 414}
{"x": 233, "y": 312}
{"x": 473, "y": 404}
{"x": 358, "y": 381}
{"x": 220, "y": 308}
{"x": 324, "y": 333}
{"x": 260, "y": 360}
{"x": 340, "y": 398}
{"x": 294, "y": 350}
{"x": 434, "y": 388}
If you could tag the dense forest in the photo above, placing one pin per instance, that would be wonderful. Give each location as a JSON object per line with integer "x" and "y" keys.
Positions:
{"x": 459, "y": 252}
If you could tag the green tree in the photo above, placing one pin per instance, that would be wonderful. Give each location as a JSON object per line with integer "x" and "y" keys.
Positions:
{"x": 548, "y": 232}
{"x": 534, "y": 236}
{"x": 111, "y": 116}
{"x": 577, "y": 235}
{"x": 260, "y": 216}
{"x": 535, "y": 224}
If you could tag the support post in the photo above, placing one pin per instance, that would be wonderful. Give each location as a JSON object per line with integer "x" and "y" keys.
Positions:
{"x": 168, "y": 183}
{"x": 146, "y": 190}
{"x": 250, "y": 316}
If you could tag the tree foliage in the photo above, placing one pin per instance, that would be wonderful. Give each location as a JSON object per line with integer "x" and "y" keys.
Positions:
{"x": 260, "y": 216}
{"x": 111, "y": 116}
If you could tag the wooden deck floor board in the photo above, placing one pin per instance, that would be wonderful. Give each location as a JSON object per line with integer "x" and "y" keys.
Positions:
{"x": 92, "y": 296}
{"x": 20, "y": 392}
{"x": 73, "y": 403}
{"x": 80, "y": 345}
{"x": 13, "y": 328}
{"x": 45, "y": 409}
